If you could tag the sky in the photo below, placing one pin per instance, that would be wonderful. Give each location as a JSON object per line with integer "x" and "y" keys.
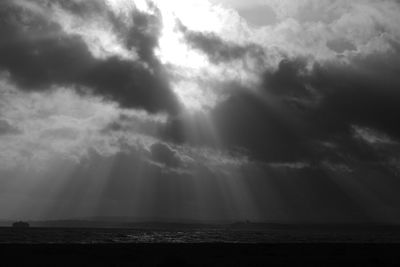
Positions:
{"x": 220, "y": 110}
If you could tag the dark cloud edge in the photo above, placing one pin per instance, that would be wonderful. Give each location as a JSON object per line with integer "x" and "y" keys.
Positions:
{"x": 38, "y": 54}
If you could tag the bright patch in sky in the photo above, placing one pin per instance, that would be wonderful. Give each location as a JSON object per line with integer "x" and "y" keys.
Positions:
{"x": 173, "y": 50}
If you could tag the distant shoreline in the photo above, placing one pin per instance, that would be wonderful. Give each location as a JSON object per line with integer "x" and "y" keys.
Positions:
{"x": 178, "y": 225}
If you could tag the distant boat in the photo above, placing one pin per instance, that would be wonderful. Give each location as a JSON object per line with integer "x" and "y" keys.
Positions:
{"x": 20, "y": 225}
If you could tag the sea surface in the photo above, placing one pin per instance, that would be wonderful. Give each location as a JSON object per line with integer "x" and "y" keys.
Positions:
{"x": 201, "y": 235}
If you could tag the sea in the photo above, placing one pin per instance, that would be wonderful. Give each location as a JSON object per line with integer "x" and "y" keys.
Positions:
{"x": 38, "y": 235}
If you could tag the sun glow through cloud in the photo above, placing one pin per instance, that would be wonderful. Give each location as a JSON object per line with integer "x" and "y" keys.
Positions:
{"x": 174, "y": 51}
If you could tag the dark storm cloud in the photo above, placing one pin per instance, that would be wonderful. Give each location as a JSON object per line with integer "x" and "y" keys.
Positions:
{"x": 365, "y": 93}
{"x": 314, "y": 108}
{"x": 38, "y": 54}
{"x": 218, "y": 50}
{"x": 81, "y": 8}
{"x": 7, "y": 129}
{"x": 288, "y": 79}
{"x": 142, "y": 36}
{"x": 246, "y": 122}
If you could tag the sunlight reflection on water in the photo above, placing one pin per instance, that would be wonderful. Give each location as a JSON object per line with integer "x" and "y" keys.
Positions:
{"x": 100, "y": 236}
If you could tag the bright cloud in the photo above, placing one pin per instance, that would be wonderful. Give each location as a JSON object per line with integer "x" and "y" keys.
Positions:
{"x": 63, "y": 124}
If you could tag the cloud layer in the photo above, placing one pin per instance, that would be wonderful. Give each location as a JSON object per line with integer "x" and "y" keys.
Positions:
{"x": 188, "y": 104}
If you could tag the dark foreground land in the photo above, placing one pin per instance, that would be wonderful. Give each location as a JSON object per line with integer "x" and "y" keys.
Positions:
{"x": 205, "y": 254}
